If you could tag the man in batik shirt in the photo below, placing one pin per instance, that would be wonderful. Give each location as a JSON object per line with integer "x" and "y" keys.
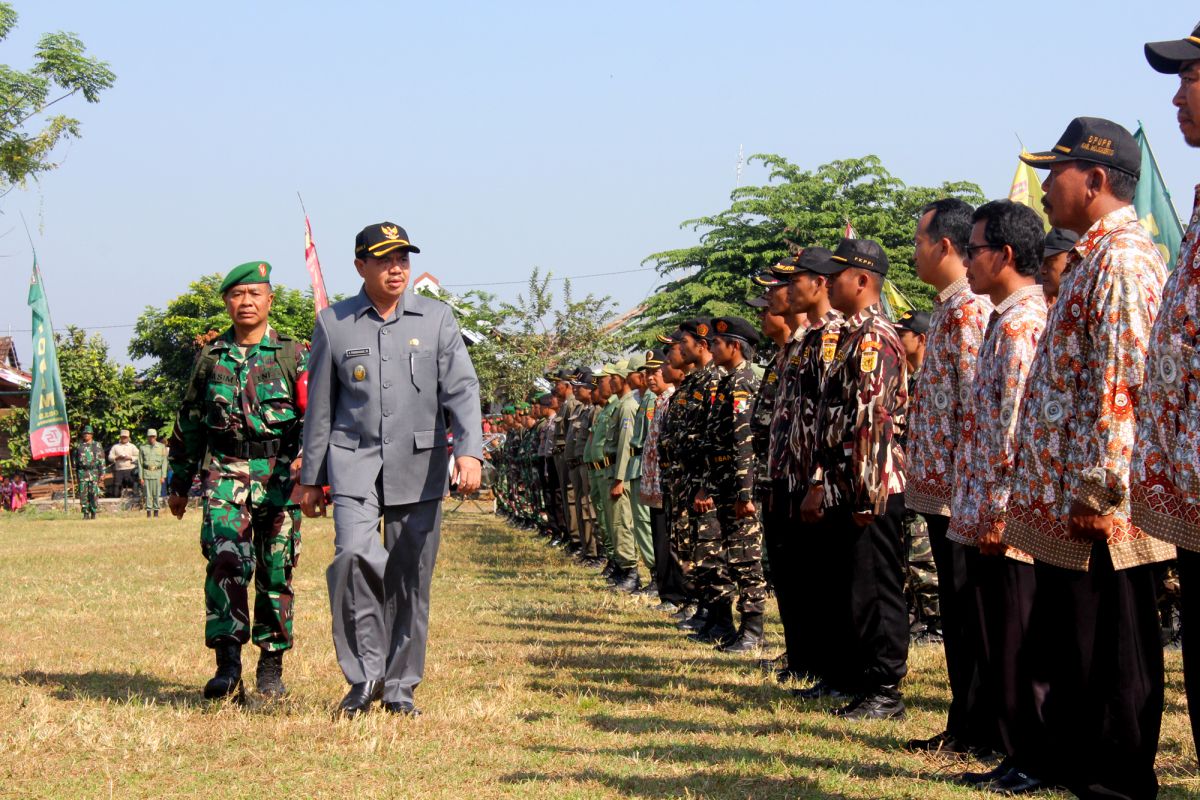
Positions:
{"x": 1004, "y": 254}
{"x": 935, "y": 423}
{"x": 1094, "y": 629}
{"x": 662, "y": 378}
{"x": 857, "y": 491}
{"x": 1166, "y": 461}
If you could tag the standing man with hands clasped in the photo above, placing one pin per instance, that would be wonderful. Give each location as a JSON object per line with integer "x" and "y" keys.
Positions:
{"x": 385, "y": 367}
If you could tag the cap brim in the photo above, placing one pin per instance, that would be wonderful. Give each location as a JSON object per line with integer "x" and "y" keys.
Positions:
{"x": 1169, "y": 57}
{"x": 1044, "y": 159}
{"x": 758, "y": 302}
{"x": 383, "y": 248}
{"x": 768, "y": 280}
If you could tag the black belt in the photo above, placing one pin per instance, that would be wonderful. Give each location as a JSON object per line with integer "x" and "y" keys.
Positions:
{"x": 606, "y": 462}
{"x": 242, "y": 448}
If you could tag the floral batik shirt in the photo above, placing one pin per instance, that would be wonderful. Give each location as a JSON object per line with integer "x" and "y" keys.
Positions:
{"x": 1165, "y": 494}
{"x": 989, "y": 427}
{"x": 817, "y": 352}
{"x": 941, "y": 396}
{"x": 858, "y": 455}
{"x": 1078, "y": 419}
{"x": 651, "y": 487}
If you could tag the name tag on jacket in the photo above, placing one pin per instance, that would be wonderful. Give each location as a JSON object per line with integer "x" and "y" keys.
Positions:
{"x": 358, "y": 351}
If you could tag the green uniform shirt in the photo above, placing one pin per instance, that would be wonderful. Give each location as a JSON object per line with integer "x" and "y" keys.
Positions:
{"x": 619, "y": 433}
{"x": 594, "y": 449}
{"x": 152, "y": 459}
{"x": 641, "y": 427}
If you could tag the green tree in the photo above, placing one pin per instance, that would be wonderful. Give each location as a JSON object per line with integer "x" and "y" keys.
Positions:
{"x": 28, "y": 132}
{"x": 99, "y": 392}
{"x": 173, "y": 337}
{"x": 521, "y": 342}
{"x": 794, "y": 209}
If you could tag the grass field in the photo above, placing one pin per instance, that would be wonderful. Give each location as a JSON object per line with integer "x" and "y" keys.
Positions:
{"x": 538, "y": 685}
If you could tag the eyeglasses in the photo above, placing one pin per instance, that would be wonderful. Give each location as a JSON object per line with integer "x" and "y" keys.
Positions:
{"x": 972, "y": 249}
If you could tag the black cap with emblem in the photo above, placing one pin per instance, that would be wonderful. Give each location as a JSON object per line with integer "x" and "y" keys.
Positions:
{"x": 914, "y": 322}
{"x": 1095, "y": 140}
{"x": 861, "y": 253}
{"x": 817, "y": 260}
{"x": 700, "y": 327}
{"x": 654, "y": 359}
{"x": 1169, "y": 57}
{"x": 735, "y": 328}
{"x": 768, "y": 279}
{"x": 582, "y": 378}
{"x": 380, "y": 239}
{"x": 760, "y": 302}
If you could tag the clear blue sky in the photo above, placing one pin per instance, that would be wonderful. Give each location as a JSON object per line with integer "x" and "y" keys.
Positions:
{"x": 503, "y": 136}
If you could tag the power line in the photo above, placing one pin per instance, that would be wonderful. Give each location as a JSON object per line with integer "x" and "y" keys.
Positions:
{"x": 566, "y": 278}
{"x": 80, "y": 327}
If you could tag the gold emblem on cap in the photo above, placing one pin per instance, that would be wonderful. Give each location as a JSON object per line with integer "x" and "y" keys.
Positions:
{"x": 360, "y": 372}
{"x": 722, "y": 326}
{"x": 702, "y": 329}
{"x": 390, "y": 231}
{"x": 413, "y": 342}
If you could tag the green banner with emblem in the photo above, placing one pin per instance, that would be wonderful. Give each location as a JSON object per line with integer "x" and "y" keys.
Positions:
{"x": 1153, "y": 204}
{"x": 48, "y": 432}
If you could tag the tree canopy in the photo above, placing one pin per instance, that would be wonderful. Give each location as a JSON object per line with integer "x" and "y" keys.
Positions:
{"x": 794, "y": 209}
{"x": 61, "y": 69}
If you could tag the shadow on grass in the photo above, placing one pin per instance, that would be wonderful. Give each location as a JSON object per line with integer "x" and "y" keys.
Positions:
{"x": 118, "y": 687}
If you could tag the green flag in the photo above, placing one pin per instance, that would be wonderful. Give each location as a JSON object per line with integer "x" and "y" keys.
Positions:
{"x": 48, "y": 432}
{"x": 1153, "y": 204}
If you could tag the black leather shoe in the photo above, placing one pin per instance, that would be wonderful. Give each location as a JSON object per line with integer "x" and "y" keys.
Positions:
{"x": 228, "y": 679}
{"x": 403, "y": 709}
{"x": 268, "y": 676}
{"x": 713, "y": 634}
{"x": 1016, "y": 782}
{"x": 884, "y": 703}
{"x": 980, "y": 779}
{"x": 820, "y": 691}
{"x": 358, "y": 700}
{"x": 628, "y": 581}
{"x": 695, "y": 622}
{"x": 944, "y": 742}
{"x": 744, "y": 642}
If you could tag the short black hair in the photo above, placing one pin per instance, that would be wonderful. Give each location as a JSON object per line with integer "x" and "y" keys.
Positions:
{"x": 1121, "y": 183}
{"x": 951, "y": 220}
{"x": 1015, "y": 225}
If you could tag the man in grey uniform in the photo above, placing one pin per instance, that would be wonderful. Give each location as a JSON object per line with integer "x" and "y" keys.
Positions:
{"x": 385, "y": 366}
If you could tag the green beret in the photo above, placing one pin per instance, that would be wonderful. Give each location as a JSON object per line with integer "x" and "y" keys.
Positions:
{"x": 508, "y": 409}
{"x": 250, "y": 272}
{"x": 87, "y": 429}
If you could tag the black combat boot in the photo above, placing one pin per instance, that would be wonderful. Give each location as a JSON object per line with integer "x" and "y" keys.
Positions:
{"x": 749, "y": 637}
{"x": 882, "y": 702}
{"x": 147, "y": 513}
{"x": 719, "y": 625}
{"x": 268, "y": 676}
{"x": 697, "y": 620}
{"x": 156, "y": 513}
{"x": 228, "y": 680}
{"x": 628, "y": 581}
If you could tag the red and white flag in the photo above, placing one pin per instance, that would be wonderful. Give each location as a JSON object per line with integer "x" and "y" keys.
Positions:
{"x": 320, "y": 299}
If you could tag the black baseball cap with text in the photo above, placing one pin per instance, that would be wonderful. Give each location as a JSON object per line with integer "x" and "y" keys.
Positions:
{"x": 861, "y": 253}
{"x": 1095, "y": 140}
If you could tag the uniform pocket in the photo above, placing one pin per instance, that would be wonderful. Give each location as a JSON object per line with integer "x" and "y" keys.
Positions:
{"x": 343, "y": 438}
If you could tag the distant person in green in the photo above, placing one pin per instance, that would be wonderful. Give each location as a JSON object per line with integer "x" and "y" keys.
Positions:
{"x": 152, "y": 470}
{"x": 240, "y": 424}
{"x": 88, "y": 460}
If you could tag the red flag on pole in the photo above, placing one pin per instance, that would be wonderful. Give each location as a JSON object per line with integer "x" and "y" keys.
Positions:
{"x": 320, "y": 299}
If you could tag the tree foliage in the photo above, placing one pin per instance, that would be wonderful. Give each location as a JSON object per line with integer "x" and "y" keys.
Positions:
{"x": 173, "y": 336}
{"x": 28, "y": 132}
{"x": 536, "y": 334}
{"x": 99, "y": 392}
{"x": 794, "y": 209}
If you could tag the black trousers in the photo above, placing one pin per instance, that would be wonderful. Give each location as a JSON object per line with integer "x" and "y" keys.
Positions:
{"x": 552, "y": 498}
{"x": 785, "y": 538}
{"x": 1189, "y": 583}
{"x": 1002, "y": 600}
{"x": 1095, "y": 658}
{"x": 667, "y": 573}
{"x": 123, "y": 479}
{"x": 966, "y": 720}
{"x": 868, "y": 615}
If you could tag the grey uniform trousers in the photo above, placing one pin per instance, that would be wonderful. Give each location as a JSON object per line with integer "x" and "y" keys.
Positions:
{"x": 379, "y": 590}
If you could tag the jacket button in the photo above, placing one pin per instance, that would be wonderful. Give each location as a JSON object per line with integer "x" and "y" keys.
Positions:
{"x": 387, "y": 384}
{"x": 387, "y": 440}
{"x": 384, "y": 332}
{"x": 387, "y": 412}
{"x": 385, "y": 356}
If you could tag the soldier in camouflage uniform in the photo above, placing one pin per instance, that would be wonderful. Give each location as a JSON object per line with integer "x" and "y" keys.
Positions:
{"x": 712, "y": 622}
{"x": 673, "y": 477}
{"x": 920, "y": 578}
{"x": 856, "y": 494}
{"x": 241, "y": 423}
{"x": 88, "y": 460}
{"x": 729, "y": 483}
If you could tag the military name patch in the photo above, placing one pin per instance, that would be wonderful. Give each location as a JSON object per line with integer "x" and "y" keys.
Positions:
{"x": 358, "y": 351}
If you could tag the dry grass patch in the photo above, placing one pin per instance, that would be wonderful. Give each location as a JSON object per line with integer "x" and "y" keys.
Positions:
{"x": 539, "y": 685}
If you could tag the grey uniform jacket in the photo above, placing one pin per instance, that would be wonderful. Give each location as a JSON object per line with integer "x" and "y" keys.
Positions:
{"x": 377, "y": 392}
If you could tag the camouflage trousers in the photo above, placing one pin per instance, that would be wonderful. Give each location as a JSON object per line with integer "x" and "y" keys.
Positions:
{"x": 89, "y": 495}
{"x": 920, "y": 577}
{"x": 680, "y": 532}
{"x": 244, "y": 541}
{"x": 728, "y": 557}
